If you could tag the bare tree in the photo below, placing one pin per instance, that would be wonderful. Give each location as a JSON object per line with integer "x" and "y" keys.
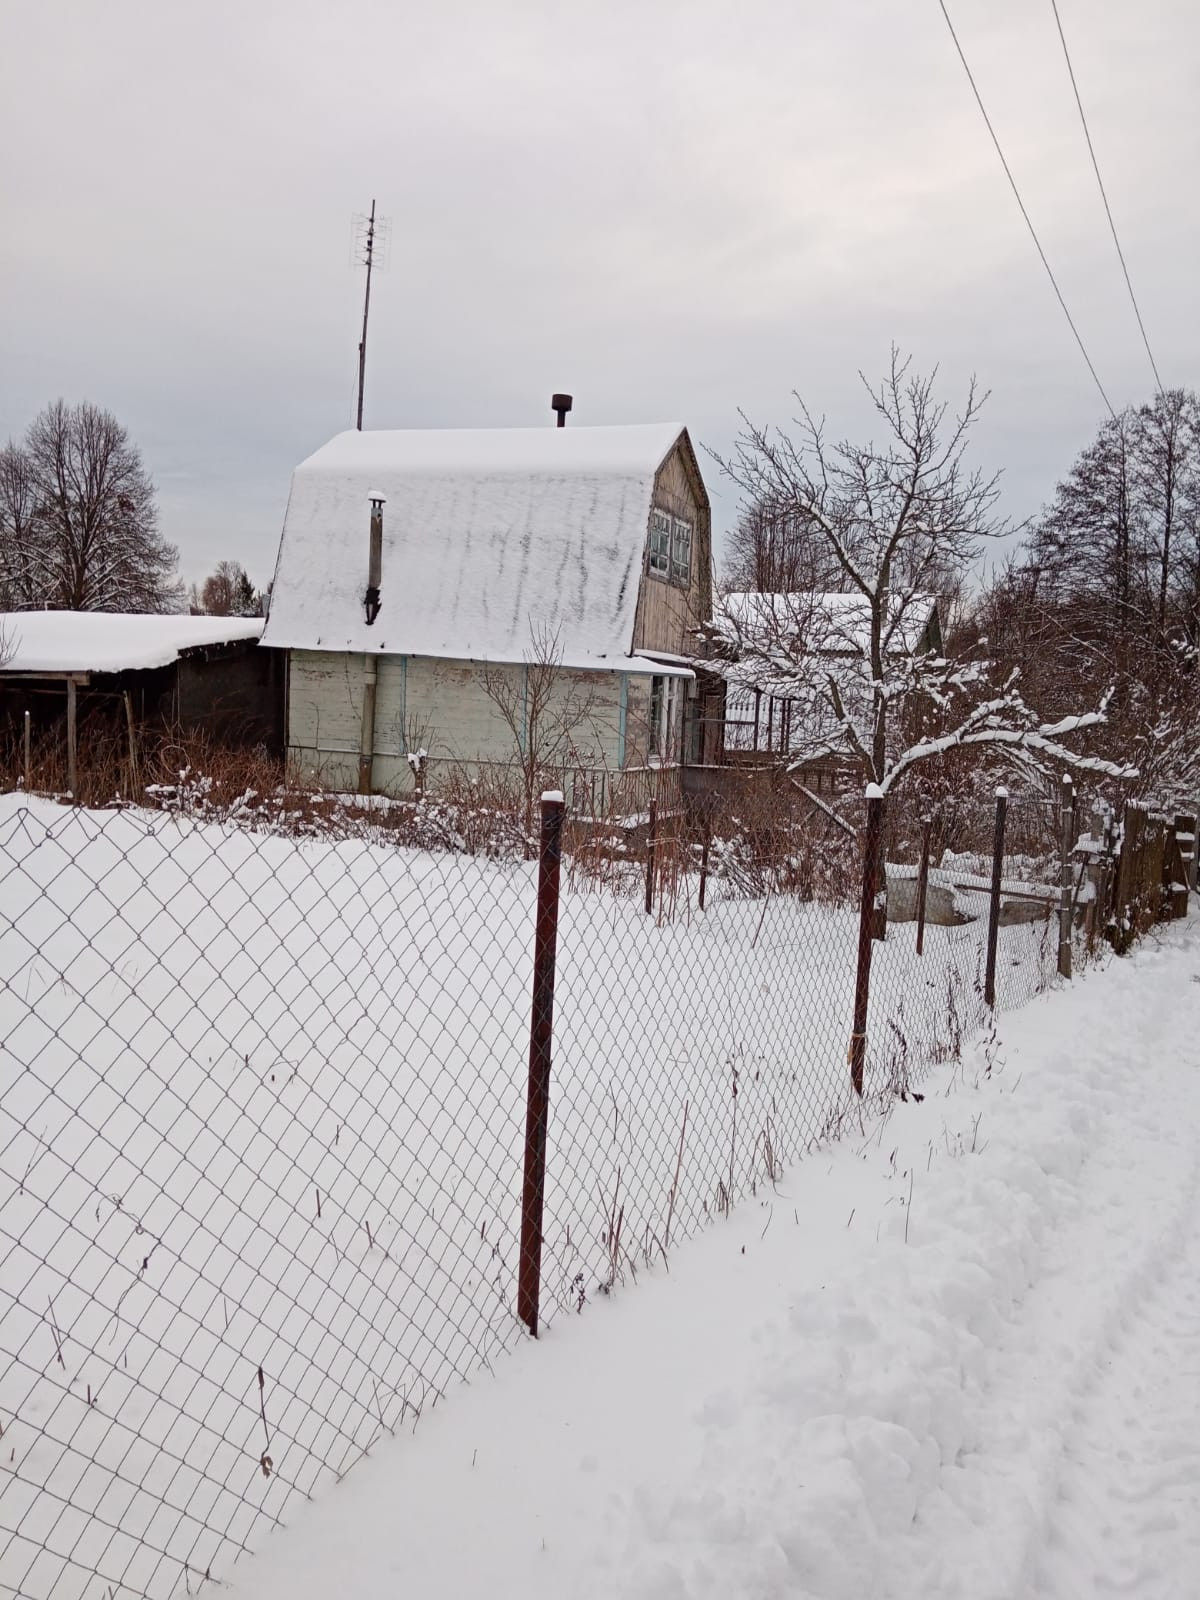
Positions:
{"x": 772, "y": 550}
{"x": 899, "y": 522}
{"x": 549, "y": 714}
{"x": 97, "y": 546}
{"x": 20, "y": 531}
{"x": 228, "y": 592}
{"x": 1106, "y": 592}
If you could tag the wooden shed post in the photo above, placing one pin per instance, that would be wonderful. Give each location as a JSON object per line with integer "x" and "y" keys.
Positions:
{"x": 133, "y": 776}
{"x": 72, "y": 753}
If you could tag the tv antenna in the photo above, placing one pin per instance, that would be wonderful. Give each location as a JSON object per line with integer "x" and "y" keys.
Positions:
{"x": 369, "y": 243}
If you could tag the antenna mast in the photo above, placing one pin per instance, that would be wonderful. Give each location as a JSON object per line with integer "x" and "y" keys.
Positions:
{"x": 362, "y": 348}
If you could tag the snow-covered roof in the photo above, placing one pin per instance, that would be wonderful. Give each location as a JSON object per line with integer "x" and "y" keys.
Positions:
{"x": 486, "y": 533}
{"x": 109, "y": 641}
{"x": 830, "y": 622}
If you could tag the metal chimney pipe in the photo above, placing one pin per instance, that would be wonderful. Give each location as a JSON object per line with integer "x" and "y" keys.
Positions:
{"x": 560, "y": 404}
{"x": 371, "y": 600}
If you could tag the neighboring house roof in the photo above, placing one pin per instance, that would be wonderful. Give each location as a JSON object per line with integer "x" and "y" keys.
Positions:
{"x": 831, "y": 623}
{"x": 486, "y": 533}
{"x": 35, "y": 642}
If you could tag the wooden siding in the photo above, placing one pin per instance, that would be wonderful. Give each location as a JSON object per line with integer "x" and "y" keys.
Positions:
{"x": 442, "y": 707}
{"x": 668, "y": 613}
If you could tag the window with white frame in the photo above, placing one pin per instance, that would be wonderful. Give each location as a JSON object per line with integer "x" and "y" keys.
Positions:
{"x": 665, "y": 704}
{"x": 681, "y": 551}
{"x": 660, "y": 543}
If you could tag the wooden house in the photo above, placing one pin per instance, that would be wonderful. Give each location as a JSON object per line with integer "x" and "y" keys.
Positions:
{"x": 762, "y": 726}
{"x": 494, "y": 599}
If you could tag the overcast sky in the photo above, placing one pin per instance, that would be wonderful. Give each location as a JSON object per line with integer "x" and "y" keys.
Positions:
{"x": 669, "y": 209}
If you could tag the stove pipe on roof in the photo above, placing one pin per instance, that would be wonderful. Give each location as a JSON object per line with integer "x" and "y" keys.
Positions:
{"x": 371, "y": 600}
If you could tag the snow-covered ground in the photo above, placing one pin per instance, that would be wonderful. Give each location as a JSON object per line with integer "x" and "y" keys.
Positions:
{"x": 261, "y": 1126}
{"x": 956, "y": 1355}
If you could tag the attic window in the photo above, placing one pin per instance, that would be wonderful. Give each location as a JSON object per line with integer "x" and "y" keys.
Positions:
{"x": 660, "y": 543}
{"x": 681, "y": 551}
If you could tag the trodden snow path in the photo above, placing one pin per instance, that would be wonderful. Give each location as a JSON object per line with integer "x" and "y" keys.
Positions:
{"x": 1128, "y": 1508}
{"x": 957, "y": 1355}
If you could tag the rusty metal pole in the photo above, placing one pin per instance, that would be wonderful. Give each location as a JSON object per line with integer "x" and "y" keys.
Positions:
{"x": 1067, "y": 841}
{"x": 923, "y": 881}
{"x": 704, "y": 866}
{"x": 857, "y": 1054}
{"x": 989, "y": 978}
{"x": 541, "y": 1037}
{"x": 651, "y": 834}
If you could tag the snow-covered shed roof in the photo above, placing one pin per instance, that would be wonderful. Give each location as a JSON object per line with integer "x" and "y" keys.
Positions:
{"x": 109, "y": 641}
{"x": 486, "y": 533}
{"x": 831, "y": 622}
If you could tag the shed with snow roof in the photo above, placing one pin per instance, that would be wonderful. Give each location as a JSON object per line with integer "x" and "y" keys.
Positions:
{"x": 89, "y": 670}
{"x": 510, "y": 598}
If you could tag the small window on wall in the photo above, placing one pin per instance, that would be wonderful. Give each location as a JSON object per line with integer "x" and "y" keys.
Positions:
{"x": 665, "y": 702}
{"x": 681, "y": 551}
{"x": 660, "y": 543}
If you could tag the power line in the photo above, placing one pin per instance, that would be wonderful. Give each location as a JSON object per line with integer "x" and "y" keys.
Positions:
{"x": 1028, "y": 222}
{"x": 1104, "y": 196}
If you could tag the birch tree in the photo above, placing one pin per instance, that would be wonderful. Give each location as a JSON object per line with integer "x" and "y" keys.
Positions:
{"x": 900, "y": 522}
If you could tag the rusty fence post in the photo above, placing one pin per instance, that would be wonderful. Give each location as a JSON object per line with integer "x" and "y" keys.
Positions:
{"x": 651, "y": 837}
{"x": 923, "y": 881}
{"x": 704, "y": 865}
{"x": 866, "y": 928}
{"x": 989, "y": 977}
{"x": 541, "y": 1036}
{"x": 1066, "y": 845}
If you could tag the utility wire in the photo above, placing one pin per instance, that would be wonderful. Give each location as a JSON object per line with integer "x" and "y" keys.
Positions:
{"x": 1028, "y": 222}
{"x": 1103, "y": 195}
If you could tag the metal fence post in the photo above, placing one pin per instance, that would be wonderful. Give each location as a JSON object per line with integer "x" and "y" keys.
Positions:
{"x": 1064, "y": 906}
{"x": 704, "y": 865}
{"x": 541, "y": 1035}
{"x": 866, "y": 927}
{"x": 28, "y": 758}
{"x": 989, "y": 978}
{"x": 923, "y": 881}
{"x": 651, "y": 834}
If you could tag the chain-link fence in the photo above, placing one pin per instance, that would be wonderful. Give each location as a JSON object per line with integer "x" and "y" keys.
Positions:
{"x": 263, "y": 1126}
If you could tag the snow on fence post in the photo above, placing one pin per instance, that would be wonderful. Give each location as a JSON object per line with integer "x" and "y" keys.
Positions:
{"x": 541, "y": 1036}
{"x": 989, "y": 976}
{"x": 857, "y": 1054}
{"x": 923, "y": 880}
{"x": 1066, "y": 844}
{"x": 651, "y": 834}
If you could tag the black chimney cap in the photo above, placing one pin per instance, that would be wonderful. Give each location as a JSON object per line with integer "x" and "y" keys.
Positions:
{"x": 561, "y": 404}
